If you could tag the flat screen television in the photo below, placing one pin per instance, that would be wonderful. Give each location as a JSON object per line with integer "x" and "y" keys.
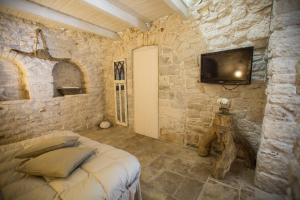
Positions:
{"x": 232, "y": 67}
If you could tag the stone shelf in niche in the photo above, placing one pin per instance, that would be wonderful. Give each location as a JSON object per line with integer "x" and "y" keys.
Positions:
{"x": 69, "y": 90}
{"x": 70, "y": 96}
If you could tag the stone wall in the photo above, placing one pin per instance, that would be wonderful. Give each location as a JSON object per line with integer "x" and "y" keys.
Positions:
{"x": 293, "y": 192}
{"x": 186, "y": 107}
{"x": 25, "y": 118}
{"x": 282, "y": 113}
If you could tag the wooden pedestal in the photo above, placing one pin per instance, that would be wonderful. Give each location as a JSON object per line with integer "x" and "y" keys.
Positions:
{"x": 222, "y": 130}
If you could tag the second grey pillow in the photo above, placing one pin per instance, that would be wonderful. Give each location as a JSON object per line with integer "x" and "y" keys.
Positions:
{"x": 47, "y": 145}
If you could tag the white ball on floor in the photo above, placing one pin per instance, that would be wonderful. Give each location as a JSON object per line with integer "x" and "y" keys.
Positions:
{"x": 105, "y": 124}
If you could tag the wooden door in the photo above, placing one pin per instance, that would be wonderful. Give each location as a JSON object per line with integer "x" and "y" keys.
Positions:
{"x": 145, "y": 88}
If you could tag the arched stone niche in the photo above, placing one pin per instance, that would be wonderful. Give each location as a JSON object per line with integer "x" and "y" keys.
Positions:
{"x": 68, "y": 79}
{"x": 12, "y": 81}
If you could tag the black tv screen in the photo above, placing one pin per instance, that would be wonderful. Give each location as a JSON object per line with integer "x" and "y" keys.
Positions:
{"x": 227, "y": 67}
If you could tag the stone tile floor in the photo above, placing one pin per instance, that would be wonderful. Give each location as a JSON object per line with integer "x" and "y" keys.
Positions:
{"x": 171, "y": 172}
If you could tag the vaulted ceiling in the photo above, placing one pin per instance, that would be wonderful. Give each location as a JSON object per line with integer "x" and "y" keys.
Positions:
{"x": 102, "y": 17}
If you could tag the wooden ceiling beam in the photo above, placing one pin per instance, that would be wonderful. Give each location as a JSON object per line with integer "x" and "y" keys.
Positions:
{"x": 61, "y": 18}
{"x": 114, "y": 11}
{"x": 178, "y": 6}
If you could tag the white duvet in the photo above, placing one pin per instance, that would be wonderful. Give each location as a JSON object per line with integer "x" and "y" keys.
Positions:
{"x": 111, "y": 174}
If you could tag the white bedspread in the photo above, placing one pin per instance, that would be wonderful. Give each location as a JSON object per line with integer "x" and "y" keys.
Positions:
{"x": 116, "y": 174}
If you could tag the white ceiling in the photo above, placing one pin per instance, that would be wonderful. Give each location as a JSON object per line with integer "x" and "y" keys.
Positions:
{"x": 103, "y": 17}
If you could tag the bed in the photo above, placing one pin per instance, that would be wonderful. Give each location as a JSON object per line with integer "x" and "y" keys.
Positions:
{"x": 116, "y": 174}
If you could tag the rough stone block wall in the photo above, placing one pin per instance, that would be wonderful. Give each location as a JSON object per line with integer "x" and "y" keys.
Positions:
{"x": 186, "y": 107}
{"x": 282, "y": 113}
{"x": 42, "y": 112}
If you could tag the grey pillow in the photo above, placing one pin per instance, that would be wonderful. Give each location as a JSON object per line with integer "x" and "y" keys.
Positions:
{"x": 47, "y": 145}
{"x": 58, "y": 163}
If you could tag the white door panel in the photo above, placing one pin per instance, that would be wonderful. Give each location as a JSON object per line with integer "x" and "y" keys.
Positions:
{"x": 145, "y": 87}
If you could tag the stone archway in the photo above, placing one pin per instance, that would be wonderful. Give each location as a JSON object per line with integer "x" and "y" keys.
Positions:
{"x": 12, "y": 81}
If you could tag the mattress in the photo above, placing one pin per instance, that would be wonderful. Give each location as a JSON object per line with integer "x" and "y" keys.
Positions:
{"x": 116, "y": 174}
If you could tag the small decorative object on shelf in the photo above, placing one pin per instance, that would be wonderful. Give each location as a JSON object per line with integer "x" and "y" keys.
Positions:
{"x": 224, "y": 105}
{"x": 104, "y": 124}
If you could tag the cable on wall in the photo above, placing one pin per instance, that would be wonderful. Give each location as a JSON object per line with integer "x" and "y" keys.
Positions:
{"x": 226, "y": 88}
